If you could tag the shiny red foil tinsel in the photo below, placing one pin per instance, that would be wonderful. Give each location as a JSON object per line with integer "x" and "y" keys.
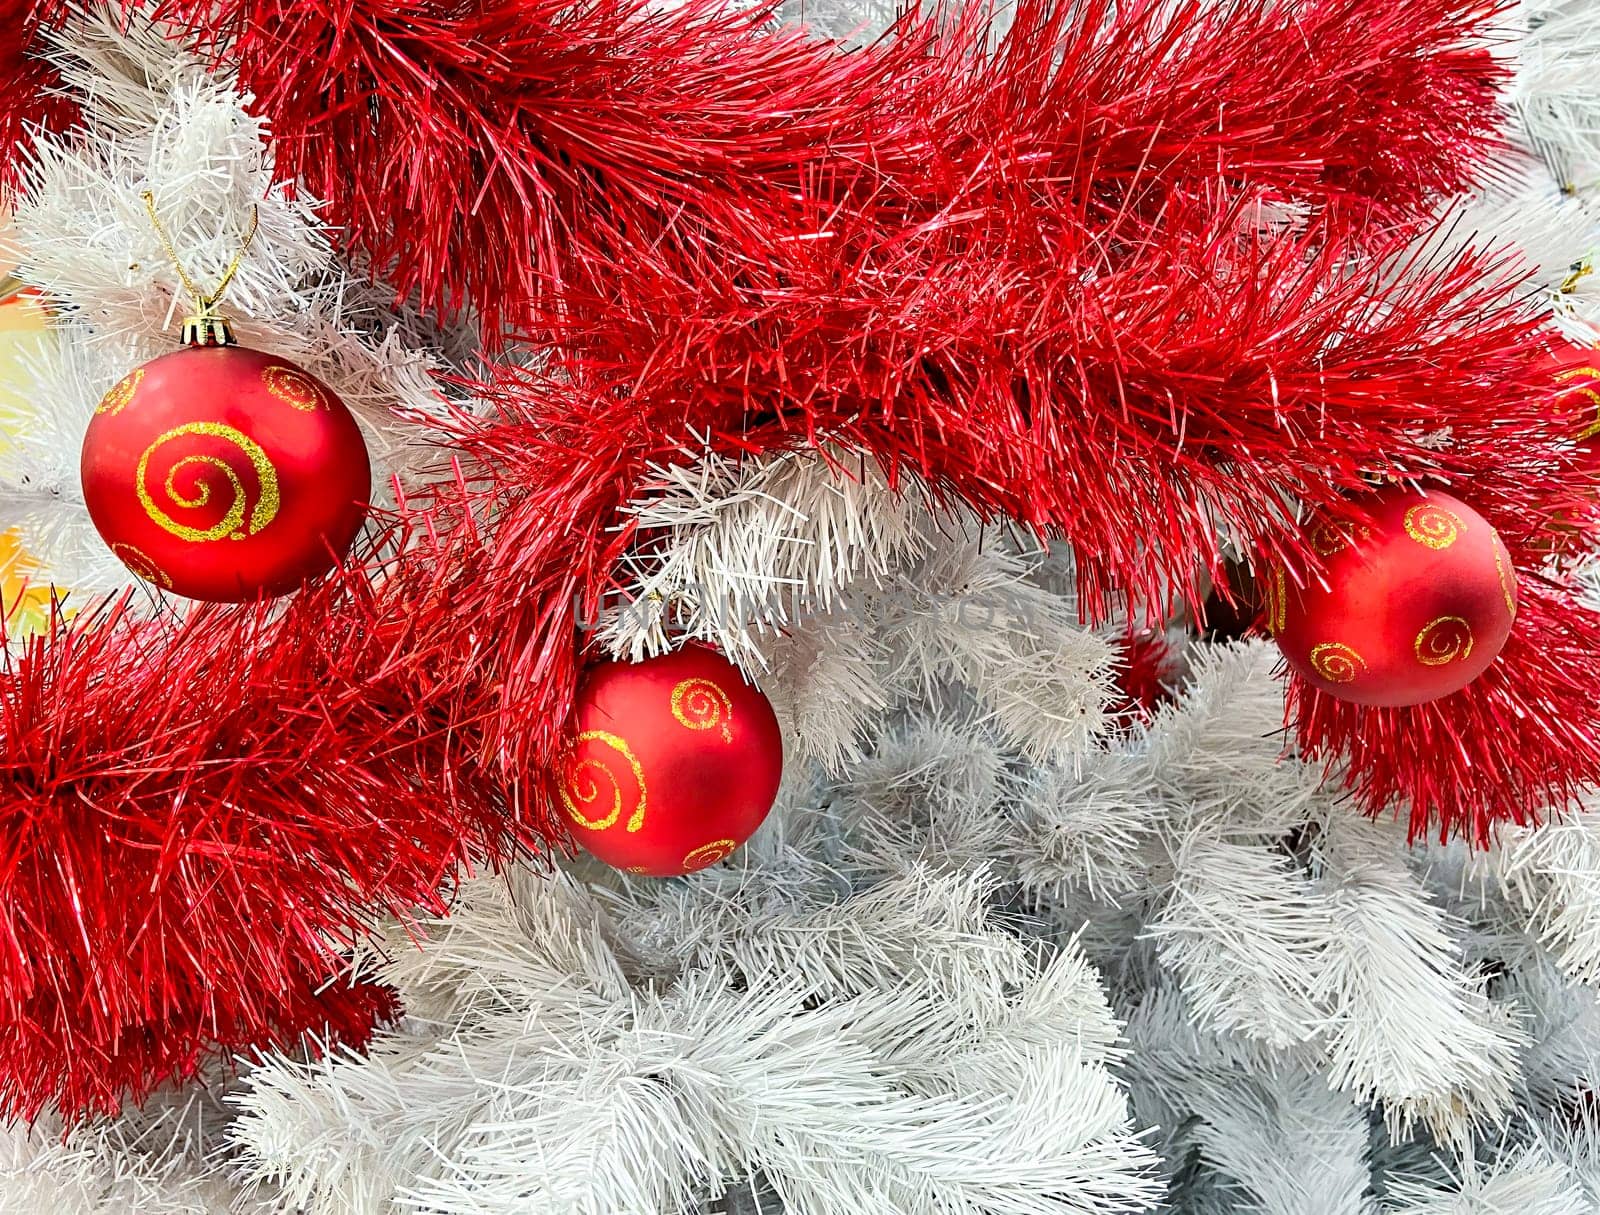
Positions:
{"x": 31, "y": 99}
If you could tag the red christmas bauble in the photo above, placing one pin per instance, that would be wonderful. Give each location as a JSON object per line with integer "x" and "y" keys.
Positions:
{"x": 1418, "y": 601}
{"x": 1575, "y": 371}
{"x": 1575, "y": 378}
{"x": 676, "y": 762}
{"x": 222, "y": 473}
{"x": 1572, "y": 374}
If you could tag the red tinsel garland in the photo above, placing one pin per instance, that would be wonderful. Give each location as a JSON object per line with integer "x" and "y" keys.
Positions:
{"x": 30, "y": 96}
{"x": 198, "y": 821}
{"x": 515, "y": 153}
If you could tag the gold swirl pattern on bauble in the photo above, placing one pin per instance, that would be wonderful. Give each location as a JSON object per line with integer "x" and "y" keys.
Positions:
{"x": 589, "y": 777}
{"x": 241, "y": 517}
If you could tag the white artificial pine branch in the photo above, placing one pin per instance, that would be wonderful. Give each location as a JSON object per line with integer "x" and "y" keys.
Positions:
{"x": 1562, "y": 1058}
{"x": 855, "y": 21}
{"x": 493, "y": 944}
{"x": 828, "y": 686}
{"x": 346, "y": 1133}
{"x": 1552, "y": 873}
{"x": 923, "y": 925}
{"x": 1284, "y": 1138}
{"x": 1525, "y": 1182}
{"x": 1550, "y": 234}
{"x": 1270, "y": 1126}
{"x": 789, "y": 868}
{"x": 353, "y": 1134}
{"x": 1411, "y": 1028}
{"x": 39, "y": 483}
{"x": 748, "y": 545}
{"x": 1570, "y": 1134}
{"x": 1095, "y": 826}
{"x": 1556, "y": 92}
{"x": 152, "y": 1161}
{"x": 931, "y": 791}
{"x": 1208, "y": 796}
{"x": 969, "y": 611}
{"x": 1244, "y": 935}
{"x": 811, "y": 567}
{"x": 1218, "y": 748}
{"x": 855, "y": 1067}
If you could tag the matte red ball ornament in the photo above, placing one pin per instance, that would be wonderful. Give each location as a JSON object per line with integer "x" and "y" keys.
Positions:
{"x": 1418, "y": 602}
{"x": 676, "y": 762}
{"x": 224, "y": 474}
{"x": 1575, "y": 372}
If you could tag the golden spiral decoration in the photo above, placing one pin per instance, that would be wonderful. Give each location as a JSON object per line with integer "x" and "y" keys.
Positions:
{"x": 586, "y": 777}
{"x": 1432, "y": 525}
{"x": 702, "y": 705}
{"x": 1277, "y": 600}
{"x": 1508, "y": 580}
{"x": 241, "y": 519}
{"x": 122, "y": 393}
{"x": 1586, "y": 373}
{"x": 142, "y": 565}
{"x": 293, "y": 387}
{"x": 1337, "y": 662}
{"x": 709, "y": 854}
{"x": 1443, "y": 641}
{"x": 1329, "y": 538}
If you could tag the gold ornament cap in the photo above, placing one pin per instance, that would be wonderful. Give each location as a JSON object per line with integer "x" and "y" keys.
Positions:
{"x": 208, "y": 328}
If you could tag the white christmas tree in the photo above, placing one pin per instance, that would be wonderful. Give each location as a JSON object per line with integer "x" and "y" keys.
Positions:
{"x": 1001, "y": 947}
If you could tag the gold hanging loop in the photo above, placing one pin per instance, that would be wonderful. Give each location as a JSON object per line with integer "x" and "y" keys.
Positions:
{"x": 206, "y": 326}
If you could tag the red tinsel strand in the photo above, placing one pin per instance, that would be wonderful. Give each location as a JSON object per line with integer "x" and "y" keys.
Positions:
{"x": 200, "y": 820}
{"x": 538, "y": 580}
{"x": 1205, "y": 374}
{"x": 30, "y": 96}
{"x": 81, "y": 1075}
{"x": 467, "y": 152}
